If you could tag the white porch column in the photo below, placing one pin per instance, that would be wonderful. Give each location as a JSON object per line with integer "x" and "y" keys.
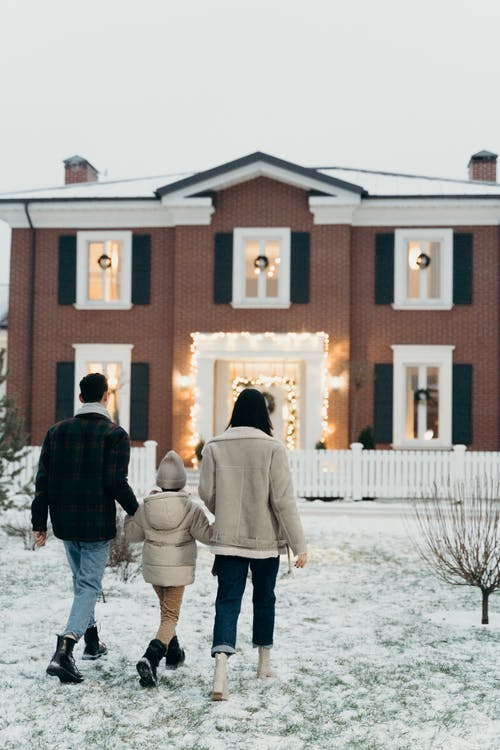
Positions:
{"x": 205, "y": 388}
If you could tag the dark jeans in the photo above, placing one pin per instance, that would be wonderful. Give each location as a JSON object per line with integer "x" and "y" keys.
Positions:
{"x": 232, "y": 574}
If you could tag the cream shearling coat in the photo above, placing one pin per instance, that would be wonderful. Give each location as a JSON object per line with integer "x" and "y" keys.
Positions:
{"x": 168, "y": 523}
{"x": 245, "y": 481}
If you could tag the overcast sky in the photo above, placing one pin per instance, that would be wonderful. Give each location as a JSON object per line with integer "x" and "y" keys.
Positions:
{"x": 144, "y": 87}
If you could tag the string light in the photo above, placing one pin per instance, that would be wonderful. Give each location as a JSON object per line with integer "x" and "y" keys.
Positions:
{"x": 264, "y": 381}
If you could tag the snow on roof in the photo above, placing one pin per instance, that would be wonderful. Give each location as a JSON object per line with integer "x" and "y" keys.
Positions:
{"x": 376, "y": 184}
{"x": 400, "y": 184}
{"x": 135, "y": 187}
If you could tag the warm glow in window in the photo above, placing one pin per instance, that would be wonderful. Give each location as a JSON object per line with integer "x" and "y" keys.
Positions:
{"x": 104, "y": 270}
{"x": 262, "y": 266}
{"x": 423, "y": 274}
{"x": 422, "y": 403}
{"x": 112, "y": 371}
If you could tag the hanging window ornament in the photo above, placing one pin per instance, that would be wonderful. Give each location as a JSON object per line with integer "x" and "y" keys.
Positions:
{"x": 261, "y": 262}
{"x": 104, "y": 261}
{"x": 423, "y": 260}
{"x": 270, "y": 402}
{"x": 422, "y": 394}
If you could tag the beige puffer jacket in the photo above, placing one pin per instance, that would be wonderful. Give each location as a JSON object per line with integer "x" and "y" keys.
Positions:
{"x": 168, "y": 523}
{"x": 245, "y": 481}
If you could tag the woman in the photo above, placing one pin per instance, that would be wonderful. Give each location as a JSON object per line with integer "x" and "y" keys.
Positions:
{"x": 246, "y": 483}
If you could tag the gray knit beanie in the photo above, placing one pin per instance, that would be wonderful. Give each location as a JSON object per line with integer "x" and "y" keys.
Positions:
{"x": 171, "y": 472}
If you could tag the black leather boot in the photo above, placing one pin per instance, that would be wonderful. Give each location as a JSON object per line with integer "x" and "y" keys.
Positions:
{"x": 175, "y": 654}
{"x": 62, "y": 664}
{"x": 148, "y": 664}
{"x": 94, "y": 648}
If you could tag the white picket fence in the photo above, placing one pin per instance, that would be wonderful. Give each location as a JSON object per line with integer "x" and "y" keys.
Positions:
{"x": 356, "y": 473}
{"x": 349, "y": 474}
{"x": 141, "y": 474}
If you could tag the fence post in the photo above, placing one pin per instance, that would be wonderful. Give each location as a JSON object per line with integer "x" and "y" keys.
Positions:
{"x": 150, "y": 462}
{"x": 458, "y": 468}
{"x": 356, "y": 483}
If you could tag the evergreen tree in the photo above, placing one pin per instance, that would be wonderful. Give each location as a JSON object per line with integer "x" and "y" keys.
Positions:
{"x": 12, "y": 441}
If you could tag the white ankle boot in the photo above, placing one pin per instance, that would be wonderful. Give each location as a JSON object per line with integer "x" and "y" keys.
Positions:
{"x": 264, "y": 669}
{"x": 219, "y": 690}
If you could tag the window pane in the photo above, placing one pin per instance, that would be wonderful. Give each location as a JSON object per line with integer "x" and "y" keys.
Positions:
{"x": 433, "y": 270}
{"x": 112, "y": 371}
{"x": 273, "y": 268}
{"x": 112, "y": 274}
{"x": 95, "y": 291}
{"x": 414, "y": 249}
{"x": 432, "y": 404}
{"x": 252, "y": 251}
{"x": 104, "y": 283}
{"x": 411, "y": 431}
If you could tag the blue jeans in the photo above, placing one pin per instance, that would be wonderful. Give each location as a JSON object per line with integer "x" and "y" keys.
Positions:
{"x": 87, "y": 561}
{"x": 231, "y": 572}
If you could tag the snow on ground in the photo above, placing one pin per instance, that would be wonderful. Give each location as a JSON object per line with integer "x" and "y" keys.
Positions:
{"x": 372, "y": 652}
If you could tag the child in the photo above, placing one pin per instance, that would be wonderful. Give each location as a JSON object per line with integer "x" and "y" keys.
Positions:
{"x": 169, "y": 522}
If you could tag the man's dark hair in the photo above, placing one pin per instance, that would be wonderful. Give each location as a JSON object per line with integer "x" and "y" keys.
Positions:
{"x": 93, "y": 387}
{"x": 250, "y": 410}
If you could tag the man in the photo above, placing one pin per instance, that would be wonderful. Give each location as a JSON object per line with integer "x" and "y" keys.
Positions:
{"x": 82, "y": 471}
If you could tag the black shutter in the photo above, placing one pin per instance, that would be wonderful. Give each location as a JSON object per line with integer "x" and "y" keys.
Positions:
{"x": 223, "y": 268}
{"x": 66, "y": 292}
{"x": 299, "y": 267}
{"x": 462, "y": 268}
{"x": 384, "y": 269}
{"x": 139, "y": 401}
{"x": 65, "y": 390}
{"x": 141, "y": 269}
{"x": 383, "y": 404}
{"x": 461, "y": 433}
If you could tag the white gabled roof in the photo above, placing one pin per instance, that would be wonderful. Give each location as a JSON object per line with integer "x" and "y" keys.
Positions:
{"x": 375, "y": 183}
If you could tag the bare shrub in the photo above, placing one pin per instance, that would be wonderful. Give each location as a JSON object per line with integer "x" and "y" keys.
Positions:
{"x": 123, "y": 555}
{"x": 460, "y": 537}
{"x": 20, "y": 527}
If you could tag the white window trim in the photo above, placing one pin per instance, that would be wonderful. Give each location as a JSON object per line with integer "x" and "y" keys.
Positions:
{"x": 430, "y": 356}
{"x": 240, "y": 236}
{"x": 83, "y": 238}
{"x": 445, "y": 238}
{"x": 121, "y": 353}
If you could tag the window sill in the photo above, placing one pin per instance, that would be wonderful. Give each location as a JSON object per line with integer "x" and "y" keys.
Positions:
{"x": 423, "y": 306}
{"x": 267, "y": 305}
{"x": 103, "y": 306}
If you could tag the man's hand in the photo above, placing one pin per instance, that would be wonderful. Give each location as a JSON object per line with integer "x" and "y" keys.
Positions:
{"x": 40, "y": 538}
{"x": 301, "y": 560}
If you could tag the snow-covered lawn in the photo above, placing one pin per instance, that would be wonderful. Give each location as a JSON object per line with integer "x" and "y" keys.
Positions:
{"x": 372, "y": 653}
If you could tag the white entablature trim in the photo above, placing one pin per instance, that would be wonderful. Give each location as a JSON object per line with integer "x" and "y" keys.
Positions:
{"x": 251, "y": 172}
{"x": 108, "y": 214}
{"x": 410, "y": 212}
{"x": 112, "y": 214}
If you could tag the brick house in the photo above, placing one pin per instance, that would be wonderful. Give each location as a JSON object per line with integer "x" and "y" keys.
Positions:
{"x": 350, "y": 297}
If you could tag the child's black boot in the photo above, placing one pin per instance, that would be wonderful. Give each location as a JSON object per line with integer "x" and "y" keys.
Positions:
{"x": 147, "y": 665}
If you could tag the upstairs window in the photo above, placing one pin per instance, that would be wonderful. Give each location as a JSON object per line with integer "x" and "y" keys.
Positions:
{"x": 261, "y": 263}
{"x": 423, "y": 269}
{"x": 104, "y": 270}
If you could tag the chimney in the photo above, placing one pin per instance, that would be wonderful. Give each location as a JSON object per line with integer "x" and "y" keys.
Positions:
{"x": 78, "y": 169}
{"x": 483, "y": 166}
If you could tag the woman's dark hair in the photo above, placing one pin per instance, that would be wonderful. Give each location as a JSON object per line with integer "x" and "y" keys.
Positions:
{"x": 250, "y": 410}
